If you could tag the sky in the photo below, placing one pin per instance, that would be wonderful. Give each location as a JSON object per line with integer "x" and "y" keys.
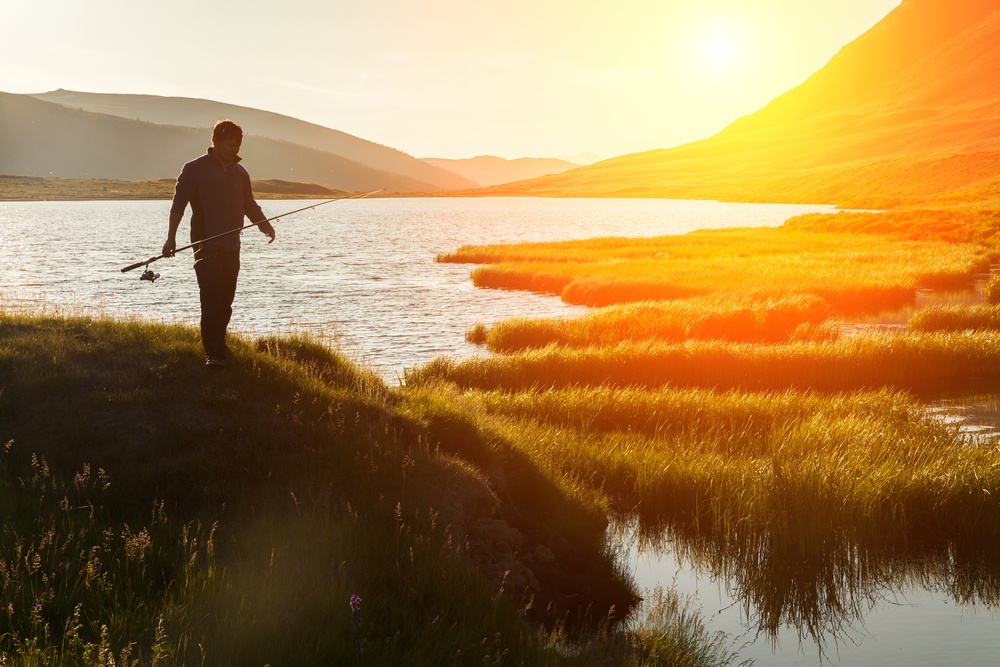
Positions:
{"x": 446, "y": 78}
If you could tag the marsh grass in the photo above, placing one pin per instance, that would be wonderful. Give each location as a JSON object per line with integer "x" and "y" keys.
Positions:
{"x": 699, "y": 318}
{"x": 929, "y": 364}
{"x": 795, "y": 459}
{"x": 810, "y": 505}
{"x": 991, "y": 294}
{"x": 170, "y": 516}
{"x": 756, "y": 264}
{"x": 958, "y": 225}
{"x": 956, "y": 318}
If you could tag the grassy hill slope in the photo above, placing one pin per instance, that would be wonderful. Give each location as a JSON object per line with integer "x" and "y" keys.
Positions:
{"x": 291, "y": 510}
{"x": 492, "y": 170}
{"x": 906, "y": 113}
{"x": 40, "y": 138}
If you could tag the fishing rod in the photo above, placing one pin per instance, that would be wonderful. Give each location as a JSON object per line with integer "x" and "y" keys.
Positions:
{"x": 151, "y": 277}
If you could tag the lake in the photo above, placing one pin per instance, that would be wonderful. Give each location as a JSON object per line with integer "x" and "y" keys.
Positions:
{"x": 361, "y": 273}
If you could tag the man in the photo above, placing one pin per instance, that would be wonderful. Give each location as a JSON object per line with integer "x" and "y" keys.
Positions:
{"x": 218, "y": 189}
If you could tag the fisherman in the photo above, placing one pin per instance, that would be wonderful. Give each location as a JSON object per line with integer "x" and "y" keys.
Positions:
{"x": 218, "y": 189}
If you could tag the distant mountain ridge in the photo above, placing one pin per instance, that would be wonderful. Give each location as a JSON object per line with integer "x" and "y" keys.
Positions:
{"x": 907, "y": 113}
{"x": 134, "y": 137}
{"x": 491, "y": 170}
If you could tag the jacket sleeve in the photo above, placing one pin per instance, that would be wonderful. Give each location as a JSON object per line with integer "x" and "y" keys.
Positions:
{"x": 250, "y": 206}
{"x": 183, "y": 190}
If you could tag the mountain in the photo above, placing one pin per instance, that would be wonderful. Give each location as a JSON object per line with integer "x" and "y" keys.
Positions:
{"x": 133, "y": 137}
{"x": 490, "y": 170}
{"x": 907, "y": 113}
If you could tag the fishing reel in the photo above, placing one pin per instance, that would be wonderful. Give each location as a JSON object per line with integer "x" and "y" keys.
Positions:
{"x": 149, "y": 275}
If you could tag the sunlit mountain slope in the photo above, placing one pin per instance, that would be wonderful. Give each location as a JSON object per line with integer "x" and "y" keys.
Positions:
{"x": 908, "y": 112}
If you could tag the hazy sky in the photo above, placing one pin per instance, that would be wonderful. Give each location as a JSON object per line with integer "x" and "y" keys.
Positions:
{"x": 446, "y": 78}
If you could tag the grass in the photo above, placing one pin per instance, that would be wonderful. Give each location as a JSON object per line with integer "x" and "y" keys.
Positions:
{"x": 956, "y": 318}
{"x": 717, "y": 401}
{"x": 698, "y": 318}
{"x": 35, "y": 188}
{"x": 750, "y": 265}
{"x": 809, "y": 504}
{"x": 292, "y": 510}
{"x": 929, "y": 364}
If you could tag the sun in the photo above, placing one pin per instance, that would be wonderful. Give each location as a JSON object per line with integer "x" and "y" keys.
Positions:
{"x": 718, "y": 49}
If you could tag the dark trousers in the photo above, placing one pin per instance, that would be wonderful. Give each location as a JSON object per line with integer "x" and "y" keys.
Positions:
{"x": 217, "y": 283}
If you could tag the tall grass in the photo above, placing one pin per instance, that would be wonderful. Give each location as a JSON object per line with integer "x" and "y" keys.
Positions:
{"x": 698, "y": 318}
{"x": 810, "y": 505}
{"x": 956, "y": 318}
{"x": 756, "y": 264}
{"x": 930, "y": 364}
{"x": 959, "y": 225}
{"x": 287, "y": 511}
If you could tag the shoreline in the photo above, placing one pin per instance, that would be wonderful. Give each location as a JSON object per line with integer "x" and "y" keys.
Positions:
{"x": 45, "y": 188}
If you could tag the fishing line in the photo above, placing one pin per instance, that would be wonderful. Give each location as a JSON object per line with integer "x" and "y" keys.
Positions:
{"x": 151, "y": 276}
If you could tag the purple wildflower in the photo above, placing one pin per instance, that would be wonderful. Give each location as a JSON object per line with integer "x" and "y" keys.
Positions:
{"x": 356, "y": 608}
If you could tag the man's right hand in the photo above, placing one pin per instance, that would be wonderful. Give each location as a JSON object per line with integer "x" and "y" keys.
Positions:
{"x": 169, "y": 247}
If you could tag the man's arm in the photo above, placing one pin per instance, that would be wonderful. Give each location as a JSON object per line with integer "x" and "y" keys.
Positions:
{"x": 170, "y": 245}
{"x": 253, "y": 210}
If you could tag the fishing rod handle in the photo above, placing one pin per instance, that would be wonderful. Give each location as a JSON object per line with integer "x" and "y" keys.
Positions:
{"x": 142, "y": 263}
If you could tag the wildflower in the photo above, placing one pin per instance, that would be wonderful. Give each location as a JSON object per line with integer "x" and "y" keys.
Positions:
{"x": 356, "y": 608}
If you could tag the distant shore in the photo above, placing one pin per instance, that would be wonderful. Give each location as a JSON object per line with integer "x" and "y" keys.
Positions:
{"x": 35, "y": 188}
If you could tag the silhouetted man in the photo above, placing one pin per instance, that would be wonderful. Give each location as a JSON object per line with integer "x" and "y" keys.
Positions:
{"x": 218, "y": 189}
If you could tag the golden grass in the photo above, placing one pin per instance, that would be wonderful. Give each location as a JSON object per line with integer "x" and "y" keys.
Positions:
{"x": 853, "y": 273}
{"x": 712, "y": 317}
{"x": 956, "y": 318}
{"x": 927, "y": 363}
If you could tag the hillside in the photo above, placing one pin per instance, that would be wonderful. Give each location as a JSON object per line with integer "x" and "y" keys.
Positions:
{"x": 45, "y": 138}
{"x": 291, "y": 510}
{"x": 488, "y": 170}
{"x": 907, "y": 113}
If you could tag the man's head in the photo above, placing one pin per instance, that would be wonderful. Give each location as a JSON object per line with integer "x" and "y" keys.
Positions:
{"x": 227, "y": 137}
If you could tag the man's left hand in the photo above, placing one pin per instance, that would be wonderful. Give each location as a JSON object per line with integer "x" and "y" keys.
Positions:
{"x": 267, "y": 229}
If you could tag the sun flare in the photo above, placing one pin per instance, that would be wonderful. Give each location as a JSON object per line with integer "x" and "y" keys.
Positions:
{"x": 718, "y": 49}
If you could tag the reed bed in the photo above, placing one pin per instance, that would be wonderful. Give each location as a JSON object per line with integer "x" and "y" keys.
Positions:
{"x": 756, "y": 264}
{"x": 928, "y": 364}
{"x": 859, "y": 475}
{"x": 956, "y": 318}
{"x": 810, "y": 505}
{"x": 991, "y": 293}
{"x": 700, "y": 318}
{"x": 962, "y": 225}
{"x": 736, "y": 415}
{"x": 879, "y": 278}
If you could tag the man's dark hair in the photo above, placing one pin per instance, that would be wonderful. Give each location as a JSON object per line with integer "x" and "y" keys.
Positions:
{"x": 226, "y": 129}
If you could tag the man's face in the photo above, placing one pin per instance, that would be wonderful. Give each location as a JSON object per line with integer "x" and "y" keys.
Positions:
{"x": 227, "y": 149}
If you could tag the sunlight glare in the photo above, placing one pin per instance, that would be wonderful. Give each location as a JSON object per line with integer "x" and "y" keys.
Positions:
{"x": 719, "y": 49}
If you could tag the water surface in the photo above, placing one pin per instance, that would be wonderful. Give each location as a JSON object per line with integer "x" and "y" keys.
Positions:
{"x": 361, "y": 272}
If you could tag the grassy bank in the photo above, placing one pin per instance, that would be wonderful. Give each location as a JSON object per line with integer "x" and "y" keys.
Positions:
{"x": 35, "y": 188}
{"x": 755, "y": 264}
{"x": 928, "y": 364}
{"x": 291, "y": 510}
{"x": 720, "y": 402}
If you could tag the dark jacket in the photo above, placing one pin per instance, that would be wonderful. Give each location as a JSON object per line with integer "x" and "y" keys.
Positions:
{"x": 220, "y": 197}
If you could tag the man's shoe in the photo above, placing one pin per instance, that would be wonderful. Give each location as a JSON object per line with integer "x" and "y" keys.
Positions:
{"x": 215, "y": 363}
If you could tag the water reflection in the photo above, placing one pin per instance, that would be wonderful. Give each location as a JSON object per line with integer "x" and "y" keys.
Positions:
{"x": 818, "y": 588}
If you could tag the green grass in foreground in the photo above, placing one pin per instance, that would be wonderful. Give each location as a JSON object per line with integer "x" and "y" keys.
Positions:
{"x": 151, "y": 513}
